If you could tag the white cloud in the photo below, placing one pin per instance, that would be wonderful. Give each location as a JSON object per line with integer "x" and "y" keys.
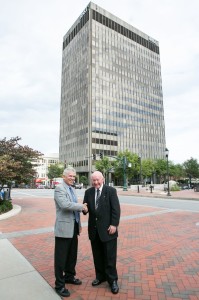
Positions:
{"x": 31, "y": 34}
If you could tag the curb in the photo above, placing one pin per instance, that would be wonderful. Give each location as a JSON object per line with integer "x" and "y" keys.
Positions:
{"x": 16, "y": 210}
{"x": 166, "y": 197}
{"x": 130, "y": 193}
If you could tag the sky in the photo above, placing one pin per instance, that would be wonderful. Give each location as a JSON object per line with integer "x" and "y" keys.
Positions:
{"x": 31, "y": 36}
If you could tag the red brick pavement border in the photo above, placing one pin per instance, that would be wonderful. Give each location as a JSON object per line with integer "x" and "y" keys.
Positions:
{"x": 158, "y": 256}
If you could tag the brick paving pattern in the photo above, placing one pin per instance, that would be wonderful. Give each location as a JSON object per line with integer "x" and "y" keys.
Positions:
{"x": 158, "y": 251}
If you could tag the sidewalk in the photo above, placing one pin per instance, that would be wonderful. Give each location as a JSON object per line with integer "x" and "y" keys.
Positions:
{"x": 157, "y": 253}
{"x": 146, "y": 192}
{"x": 18, "y": 278}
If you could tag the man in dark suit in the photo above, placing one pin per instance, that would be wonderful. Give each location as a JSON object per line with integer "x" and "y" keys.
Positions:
{"x": 104, "y": 215}
{"x": 67, "y": 229}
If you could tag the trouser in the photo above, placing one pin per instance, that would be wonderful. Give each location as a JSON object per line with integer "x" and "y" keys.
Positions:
{"x": 105, "y": 256}
{"x": 65, "y": 258}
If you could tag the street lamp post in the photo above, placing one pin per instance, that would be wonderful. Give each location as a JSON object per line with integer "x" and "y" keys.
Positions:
{"x": 123, "y": 161}
{"x": 125, "y": 164}
{"x": 140, "y": 160}
{"x": 167, "y": 157}
{"x": 124, "y": 174}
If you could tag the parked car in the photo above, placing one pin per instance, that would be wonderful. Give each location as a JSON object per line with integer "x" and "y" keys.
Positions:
{"x": 77, "y": 185}
{"x": 185, "y": 187}
{"x": 41, "y": 186}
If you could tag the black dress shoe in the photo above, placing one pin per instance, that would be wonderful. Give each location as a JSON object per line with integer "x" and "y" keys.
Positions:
{"x": 63, "y": 292}
{"x": 114, "y": 287}
{"x": 97, "y": 282}
{"x": 74, "y": 280}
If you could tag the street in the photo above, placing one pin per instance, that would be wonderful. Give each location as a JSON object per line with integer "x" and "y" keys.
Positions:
{"x": 168, "y": 203}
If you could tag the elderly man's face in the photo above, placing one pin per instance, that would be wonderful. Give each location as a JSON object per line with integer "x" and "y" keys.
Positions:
{"x": 69, "y": 178}
{"x": 97, "y": 179}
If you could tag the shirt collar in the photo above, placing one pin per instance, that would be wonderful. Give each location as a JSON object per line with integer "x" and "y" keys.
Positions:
{"x": 101, "y": 187}
{"x": 67, "y": 186}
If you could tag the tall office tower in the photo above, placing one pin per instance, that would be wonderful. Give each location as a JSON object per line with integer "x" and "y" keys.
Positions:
{"x": 111, "y": 93}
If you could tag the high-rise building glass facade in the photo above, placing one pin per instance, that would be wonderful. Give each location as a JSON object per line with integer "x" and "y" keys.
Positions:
{"x": 111, "y": 94}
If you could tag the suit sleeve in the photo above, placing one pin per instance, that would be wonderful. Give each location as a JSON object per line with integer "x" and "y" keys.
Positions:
{"x": 85, "y": 201}
{"x": 115, "y": 208}
{"x": 63, "y": 201}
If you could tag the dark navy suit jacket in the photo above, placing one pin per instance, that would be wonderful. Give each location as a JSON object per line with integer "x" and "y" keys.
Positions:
{"x": 107, "y": 213}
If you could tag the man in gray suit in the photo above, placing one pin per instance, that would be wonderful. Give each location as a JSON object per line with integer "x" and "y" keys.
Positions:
{"x": 67, "y": 228}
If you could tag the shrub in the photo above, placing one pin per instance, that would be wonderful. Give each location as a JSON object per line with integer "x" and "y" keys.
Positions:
{"x": 5, "y": 206}
{"x": 84, "y": 180}
{"x": 175, "y": 188}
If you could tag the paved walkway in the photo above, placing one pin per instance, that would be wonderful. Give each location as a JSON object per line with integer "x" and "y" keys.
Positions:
{"x": 158, "y": 253}
{"x": 146, "y": 192}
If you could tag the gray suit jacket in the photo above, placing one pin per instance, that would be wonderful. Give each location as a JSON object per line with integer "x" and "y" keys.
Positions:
{"x": 64, "y": 224}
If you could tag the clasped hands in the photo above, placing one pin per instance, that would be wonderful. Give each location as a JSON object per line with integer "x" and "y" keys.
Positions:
{"x": 85, "y": 208}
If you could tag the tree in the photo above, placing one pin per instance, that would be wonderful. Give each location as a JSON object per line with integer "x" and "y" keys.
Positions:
{"x": 148, "y": 168}
{"x": 55, "y": 171}
{"x": 160, "y": 166}
{"x": 83, "y": 179}
{"x": 104, "y": 166}
{"x": 191, "y": 168}
{"x": 17, "y": 162}
{"x": 128, "y": 162}
{"x": 178, "y": 172}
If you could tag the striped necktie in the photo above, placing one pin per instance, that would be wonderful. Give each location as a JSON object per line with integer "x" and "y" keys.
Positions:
{"x": 97, "y": 199}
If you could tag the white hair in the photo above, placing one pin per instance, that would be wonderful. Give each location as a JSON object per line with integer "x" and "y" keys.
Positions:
{"x": 68, "y": 170}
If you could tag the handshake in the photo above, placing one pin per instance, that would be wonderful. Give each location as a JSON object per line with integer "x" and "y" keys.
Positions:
{"x": 85, "y": 208}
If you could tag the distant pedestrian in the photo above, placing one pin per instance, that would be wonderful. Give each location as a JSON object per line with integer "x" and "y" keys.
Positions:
{"x": 2, "y": 194}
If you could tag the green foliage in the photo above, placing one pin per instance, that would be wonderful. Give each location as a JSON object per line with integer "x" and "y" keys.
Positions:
{"x": 103, "y": 165}
{"x": 17, "y": 162}
{"x": 131, "y": 160}
{"x": 178, "y": 172}
{"x": 148, "y": 168}
{"x": 160, "y": 166}
{"x": 5, "y": 206}
{"x": 175, "y": 188}
{"x": 84, "y": 180}
{"x": 191, "y": 168}
{"x": 55, "y": 171}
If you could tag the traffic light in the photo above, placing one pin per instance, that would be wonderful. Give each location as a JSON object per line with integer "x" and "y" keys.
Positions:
{"x": 101, "y": 155}
{"x": 94, "y": 156}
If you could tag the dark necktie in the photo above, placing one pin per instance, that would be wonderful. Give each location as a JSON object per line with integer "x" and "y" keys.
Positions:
{"x": 76, "y": 213}
{"x": 97, "y": 199}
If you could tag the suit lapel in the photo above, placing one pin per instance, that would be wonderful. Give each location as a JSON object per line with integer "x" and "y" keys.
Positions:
{"x": 67, "y": 192}
{"x": 93, "y": 198}
{"x": 103, "y": 194}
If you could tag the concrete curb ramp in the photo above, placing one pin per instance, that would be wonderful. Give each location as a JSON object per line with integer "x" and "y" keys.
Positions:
{"x": 18, "y": 278}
